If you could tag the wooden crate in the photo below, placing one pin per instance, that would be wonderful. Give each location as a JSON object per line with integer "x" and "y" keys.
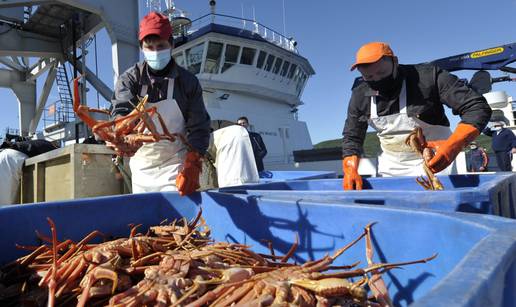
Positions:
{"x": 75, "y": 171}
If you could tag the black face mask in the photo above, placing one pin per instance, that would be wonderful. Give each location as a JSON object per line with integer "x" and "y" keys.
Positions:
{"x": 387, "y": 85}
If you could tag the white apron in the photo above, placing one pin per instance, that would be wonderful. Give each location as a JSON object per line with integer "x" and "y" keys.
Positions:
{"x": 155, "y": 166}
{"x": 234, "y": 159}
{"x": 397, "y": 158}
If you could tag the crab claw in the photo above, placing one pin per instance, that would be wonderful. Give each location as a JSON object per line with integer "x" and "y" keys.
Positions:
{"x": 228, "y": 275}
{"x": 332, "y": 287}
{"x": 96, "y": 274}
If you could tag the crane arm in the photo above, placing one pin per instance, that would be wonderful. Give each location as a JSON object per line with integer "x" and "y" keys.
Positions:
{"x": 497, "y": 58}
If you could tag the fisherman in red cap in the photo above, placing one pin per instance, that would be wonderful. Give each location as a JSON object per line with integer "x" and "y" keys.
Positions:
{"x": 395, "y": 99}
{"x": 177, "y": 94}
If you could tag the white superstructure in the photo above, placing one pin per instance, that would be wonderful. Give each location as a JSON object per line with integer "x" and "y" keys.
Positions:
{"x": 504, "y": 108}
{"x": 247, "y": 69}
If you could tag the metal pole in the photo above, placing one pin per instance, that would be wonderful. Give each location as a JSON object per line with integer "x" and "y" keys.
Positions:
{"x": 74, "y": 68}
{"x": 74, "y": 46}
{"x": 96, "y": 70}
{"x": 84, "y": 99}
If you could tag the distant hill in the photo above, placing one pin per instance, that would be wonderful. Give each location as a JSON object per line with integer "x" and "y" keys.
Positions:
{"x": 372, "y": 144}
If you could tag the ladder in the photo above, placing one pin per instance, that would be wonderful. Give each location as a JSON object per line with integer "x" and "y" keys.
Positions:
{"x": 65, "y": 110}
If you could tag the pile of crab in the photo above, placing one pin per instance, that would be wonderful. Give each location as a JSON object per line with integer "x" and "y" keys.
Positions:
{"x": 177, "y": 264}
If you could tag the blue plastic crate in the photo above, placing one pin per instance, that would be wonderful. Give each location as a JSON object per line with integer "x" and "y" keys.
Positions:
{"x": 487, "y": 194}
{"x": 476, "y": 265}
{"x": 271, "y": 176}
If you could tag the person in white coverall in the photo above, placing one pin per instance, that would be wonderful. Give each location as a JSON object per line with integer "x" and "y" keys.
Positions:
{"x": 12, "y": 158}
{"x": 234, "y": 155}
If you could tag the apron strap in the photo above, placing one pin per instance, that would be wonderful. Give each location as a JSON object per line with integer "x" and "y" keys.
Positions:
{"x": 143, "y": 90}
{"x": 170, "y": 90}
{"x": 402, "y": 102}
{"x": 403, "y": 99}
{"x": 374, "y": 111}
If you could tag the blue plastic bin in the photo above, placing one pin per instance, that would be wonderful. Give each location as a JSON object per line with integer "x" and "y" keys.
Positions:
{"x": 487, "y": 194}
{"x": 271, "y": 176}
{"x": 476, "y": 265}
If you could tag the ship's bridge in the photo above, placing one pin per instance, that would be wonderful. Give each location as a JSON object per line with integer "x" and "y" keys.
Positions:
{"x": 241, "y": 55}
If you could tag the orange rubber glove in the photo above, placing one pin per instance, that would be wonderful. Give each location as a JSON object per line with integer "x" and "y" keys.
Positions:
{"x": 352, "y": 180}
{"x": 446, "y": 151}
{"x": 187, "y": 180}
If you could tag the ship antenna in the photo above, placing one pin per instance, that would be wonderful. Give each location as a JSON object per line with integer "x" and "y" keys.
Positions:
{"x": 256, "y": 29}
{"x": 154, "y": 5}
{"x": 284, "y": 23}
{"x": 213, "y": 3}
{"x": 171, "y": 6}
{"x": 243, "y": 20}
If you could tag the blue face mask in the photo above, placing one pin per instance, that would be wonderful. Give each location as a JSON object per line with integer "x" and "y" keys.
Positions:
{"x": 157, "y": 60}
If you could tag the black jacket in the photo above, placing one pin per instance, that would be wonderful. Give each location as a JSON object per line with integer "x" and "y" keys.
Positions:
{"x": 259, "y": 149}
{"x": 428, "y": 89}
{"x": 187, "y": 93}
{"x": 31, "y": 148}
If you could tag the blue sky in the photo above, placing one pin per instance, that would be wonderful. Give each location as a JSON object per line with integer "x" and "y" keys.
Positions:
{"x": 329, "y": 33}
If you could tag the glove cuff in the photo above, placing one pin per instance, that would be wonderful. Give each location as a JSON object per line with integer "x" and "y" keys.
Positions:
{"x": 350, "y": 163}
{"x": 193, "y": 159}
{"x": 462, "y": 136}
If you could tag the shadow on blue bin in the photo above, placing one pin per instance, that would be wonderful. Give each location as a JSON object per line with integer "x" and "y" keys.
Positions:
{"x": 485, "y": 194}
{"x": 475, "y": 267}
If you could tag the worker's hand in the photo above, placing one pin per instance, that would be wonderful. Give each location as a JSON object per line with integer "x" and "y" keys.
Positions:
{"x": 514, "y": 150}
{"x": 481, "y": 168}
{"x": 446, "y": 151}
{"x": 351, "y": 180}
{"x": 123, "y": 148}
{"x": 187, "y": 180}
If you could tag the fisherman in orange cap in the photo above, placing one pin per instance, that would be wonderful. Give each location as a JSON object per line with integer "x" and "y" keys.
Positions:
{"x": 394, "y": 99}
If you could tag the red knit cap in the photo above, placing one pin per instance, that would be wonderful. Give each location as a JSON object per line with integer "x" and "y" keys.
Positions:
{"x": 155, "y": 23}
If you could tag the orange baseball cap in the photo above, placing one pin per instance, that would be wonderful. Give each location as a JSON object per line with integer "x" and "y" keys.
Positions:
{"x": 372, "y": 52}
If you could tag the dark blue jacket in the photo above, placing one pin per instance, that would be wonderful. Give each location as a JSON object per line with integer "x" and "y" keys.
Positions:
{"x": 503, "y": 141}
{"x": 259, "y": 149}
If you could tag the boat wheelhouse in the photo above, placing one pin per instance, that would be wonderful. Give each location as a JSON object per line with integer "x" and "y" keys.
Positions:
{"x": 247, "y": 69}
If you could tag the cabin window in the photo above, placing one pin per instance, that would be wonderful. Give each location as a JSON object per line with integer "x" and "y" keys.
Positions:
{"x": 291, "y": 71}
{"x": 297, "y": 74}
{"x": 194, "y": 58}
{"x": 247, "y": 57}
{"x": 261, "y": 59}
{"x": 301, "y": 81}
{"x": 213, "y": 57}
{"x": 180, "y": 59}
{"x": 284, "y": 69}
{"x": 277, "y": 65}
{"x": 230, "y": 56}
{"x": 268, "y": 64}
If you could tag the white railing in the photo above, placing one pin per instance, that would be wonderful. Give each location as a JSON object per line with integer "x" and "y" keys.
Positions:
{"x": 253, "y": 26}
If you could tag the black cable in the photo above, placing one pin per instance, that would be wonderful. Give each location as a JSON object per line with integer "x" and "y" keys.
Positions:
{"x": 10, "y": 28}
{"x": 96, "y": 69}
{"x": 6, "y": 24}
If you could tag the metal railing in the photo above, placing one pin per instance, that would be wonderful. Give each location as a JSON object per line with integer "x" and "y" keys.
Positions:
{"x": 56, "y": 115}
{"x": 253, "y": 26}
